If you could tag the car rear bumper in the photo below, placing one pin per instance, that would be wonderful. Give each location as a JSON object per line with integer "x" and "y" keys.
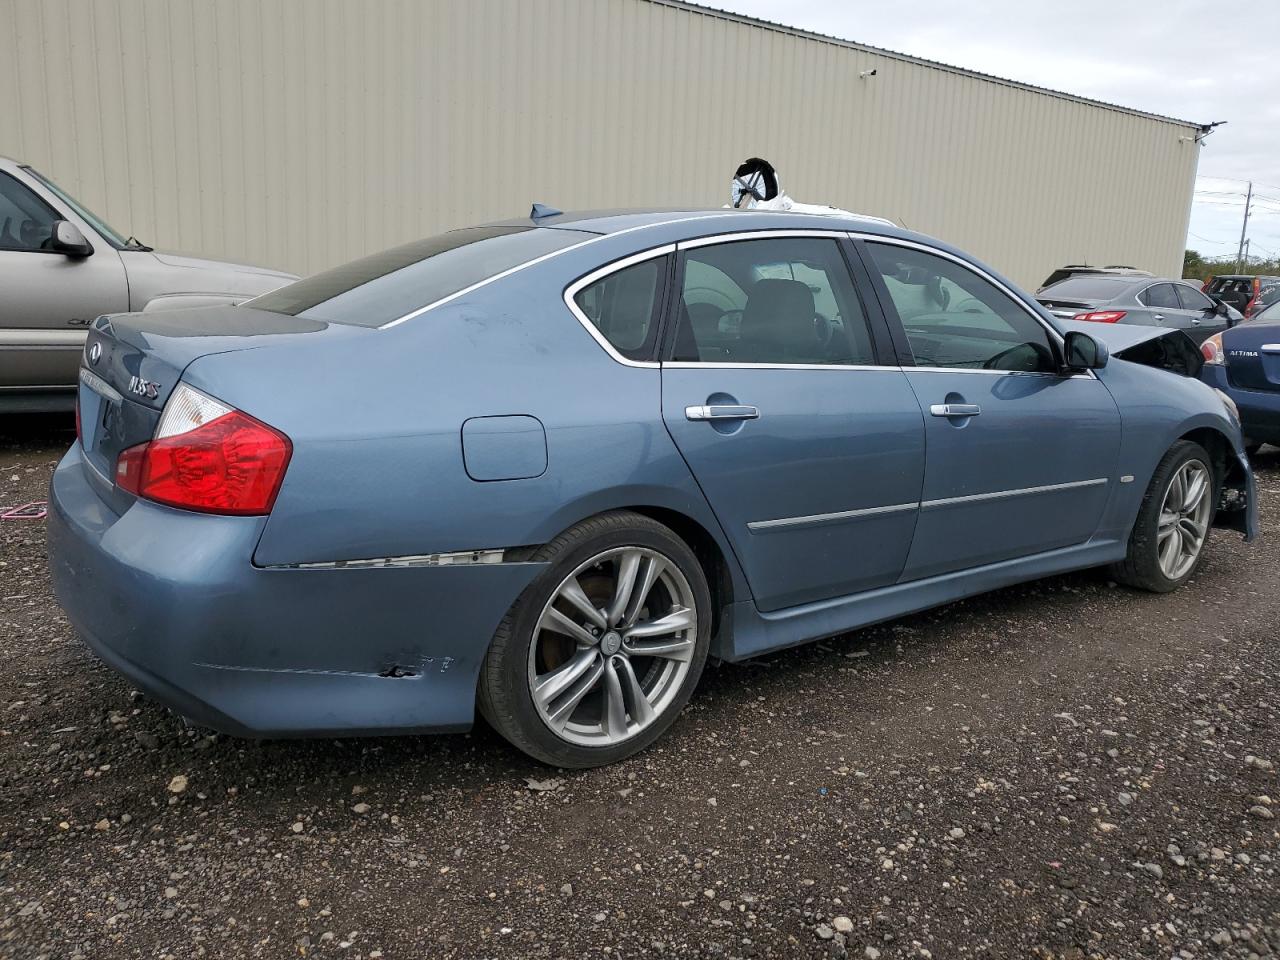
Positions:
{"x": 172, "y": 600}
{"x": 1259, "y": 409}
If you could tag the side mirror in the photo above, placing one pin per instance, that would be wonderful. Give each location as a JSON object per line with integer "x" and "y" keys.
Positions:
{"x": 1221, "y": 309}
{"x": 1083, "y": 352}
{"x": 68, "y": 239}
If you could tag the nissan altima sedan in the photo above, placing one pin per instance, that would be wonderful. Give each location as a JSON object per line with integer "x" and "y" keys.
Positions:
{"x": 548, "y": 467}
{"x": 1244, "y": 363}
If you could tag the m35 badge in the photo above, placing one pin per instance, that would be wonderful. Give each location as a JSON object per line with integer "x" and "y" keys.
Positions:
{"x": 144, "y": 388}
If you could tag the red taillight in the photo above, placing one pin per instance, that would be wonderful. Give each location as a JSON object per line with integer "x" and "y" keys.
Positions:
{"x": 231, "y": 465}
{"x": 1101, "y": 316}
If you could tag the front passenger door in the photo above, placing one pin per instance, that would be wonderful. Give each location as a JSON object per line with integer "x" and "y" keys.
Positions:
{"x": 1020, "y": 459}
{"x": 1201, "y": 312}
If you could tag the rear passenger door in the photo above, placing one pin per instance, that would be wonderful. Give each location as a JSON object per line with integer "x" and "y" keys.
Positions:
{"x": 793, "y": 415}
{"x": 1021, "y": 458}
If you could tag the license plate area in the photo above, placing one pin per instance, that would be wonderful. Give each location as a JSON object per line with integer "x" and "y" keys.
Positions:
{"x": 99, "y": 408}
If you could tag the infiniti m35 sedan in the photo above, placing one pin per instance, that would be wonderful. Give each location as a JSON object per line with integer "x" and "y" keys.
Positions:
{"x": 547, "y": 467}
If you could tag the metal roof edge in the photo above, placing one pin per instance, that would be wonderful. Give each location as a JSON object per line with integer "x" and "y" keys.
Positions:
{"x": 690, "y": 7}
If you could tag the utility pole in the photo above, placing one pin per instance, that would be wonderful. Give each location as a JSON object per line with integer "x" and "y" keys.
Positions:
{"x": 1244, "y": 226}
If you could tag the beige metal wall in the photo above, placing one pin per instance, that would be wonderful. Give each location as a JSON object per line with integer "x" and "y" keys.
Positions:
{"x": 302, "y": 133}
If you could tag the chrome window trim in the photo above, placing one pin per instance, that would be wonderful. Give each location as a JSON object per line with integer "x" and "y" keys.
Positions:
{"x": 572, "y": 291}
{"x": 763, "y": 526}
{"x": 717, "y": 365}
{"x": 1001, "y": 373}
{"x": 1006, "y": 494}
{"x": 779, "y": 234}
{"x": 1270, "y": 347}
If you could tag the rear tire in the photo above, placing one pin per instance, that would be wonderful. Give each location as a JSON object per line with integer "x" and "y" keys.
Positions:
{"x": 601, "y": 652}
{"x": 1166, "y": 545}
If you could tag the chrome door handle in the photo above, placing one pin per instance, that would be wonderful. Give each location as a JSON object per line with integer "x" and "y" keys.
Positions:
{"x": 722, "y": 411}
{"x": 1157, "y": 316}
{"x": 1195, "y": 321}
{"x": 955, "y": 409}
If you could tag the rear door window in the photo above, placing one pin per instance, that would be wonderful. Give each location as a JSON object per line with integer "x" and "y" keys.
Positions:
{"x": 385, "y": 286}
{"x": 783, "y": 300}
{"x": 1161, "y": 296}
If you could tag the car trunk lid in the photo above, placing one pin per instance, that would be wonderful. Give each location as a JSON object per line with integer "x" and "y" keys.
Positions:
{"x": 1067, "y": 308}
{"x": 133, "y": 361}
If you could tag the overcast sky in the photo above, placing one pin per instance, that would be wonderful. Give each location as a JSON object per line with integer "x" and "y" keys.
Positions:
{"x": 1173, "y": 57}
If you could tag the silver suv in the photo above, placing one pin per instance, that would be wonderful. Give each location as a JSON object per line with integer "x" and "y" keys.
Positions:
{"x": 61, "y": 266}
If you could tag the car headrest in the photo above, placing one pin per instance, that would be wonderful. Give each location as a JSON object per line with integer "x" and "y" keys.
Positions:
{"x": 779, "y": 311}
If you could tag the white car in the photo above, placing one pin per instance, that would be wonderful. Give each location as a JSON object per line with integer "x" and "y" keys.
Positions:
{"x": 61, "y": 267}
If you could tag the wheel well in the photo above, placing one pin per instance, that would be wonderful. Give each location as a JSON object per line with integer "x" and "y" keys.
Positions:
{"x": 1227, "y": 470}
{"x": 705, "y": 548}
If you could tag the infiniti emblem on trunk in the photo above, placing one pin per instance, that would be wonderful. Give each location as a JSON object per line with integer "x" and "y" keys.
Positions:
{"x": 95, "y": 352}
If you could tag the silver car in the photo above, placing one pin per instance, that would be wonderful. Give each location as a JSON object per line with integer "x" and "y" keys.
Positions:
{"x": 1147, "y": 301}
{"x": 61, "y": 266}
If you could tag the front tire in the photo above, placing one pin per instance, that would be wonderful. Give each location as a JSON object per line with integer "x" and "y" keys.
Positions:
{"x": 1168, "y": 538}
{"x": 601, "y": 652}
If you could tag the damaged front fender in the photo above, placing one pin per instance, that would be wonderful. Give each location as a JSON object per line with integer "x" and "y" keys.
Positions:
{"x": 1238, "y": 502}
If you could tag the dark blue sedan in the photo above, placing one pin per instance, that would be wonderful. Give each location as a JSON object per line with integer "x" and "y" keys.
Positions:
{"x": 549, "y": 466}
{"x": 1244, "y": 362}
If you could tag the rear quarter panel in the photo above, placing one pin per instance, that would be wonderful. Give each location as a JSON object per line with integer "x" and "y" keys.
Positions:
{"x": 376, "y": 423}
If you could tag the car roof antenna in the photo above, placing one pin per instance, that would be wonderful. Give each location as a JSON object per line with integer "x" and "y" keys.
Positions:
{"x": 541, "y": 210}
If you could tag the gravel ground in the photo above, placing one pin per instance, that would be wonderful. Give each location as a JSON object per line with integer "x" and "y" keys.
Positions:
{"x": 1066, "y": 769}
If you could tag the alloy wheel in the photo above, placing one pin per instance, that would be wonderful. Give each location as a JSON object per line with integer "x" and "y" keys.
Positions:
{"x": 1184, "y": 519}
{"x": 612, "y": 647}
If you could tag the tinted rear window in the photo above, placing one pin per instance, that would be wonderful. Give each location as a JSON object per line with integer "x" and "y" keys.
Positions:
{"x": 1087, "y": 288}
{"x": 387, "y": 285}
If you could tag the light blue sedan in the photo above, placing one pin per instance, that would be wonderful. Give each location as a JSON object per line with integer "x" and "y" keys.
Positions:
{"x": 550, "y": 466}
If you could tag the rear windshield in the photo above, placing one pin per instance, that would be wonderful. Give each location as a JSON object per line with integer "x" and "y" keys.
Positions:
{"x": 387, "y": 285}
{"x": 1088, "y": 288}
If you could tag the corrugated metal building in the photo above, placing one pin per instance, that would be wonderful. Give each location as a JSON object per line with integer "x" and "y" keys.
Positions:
{"x": 302, "y": 133}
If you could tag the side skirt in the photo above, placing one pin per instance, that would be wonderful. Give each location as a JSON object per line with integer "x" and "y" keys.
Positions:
{"x": 745, "y": 632}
